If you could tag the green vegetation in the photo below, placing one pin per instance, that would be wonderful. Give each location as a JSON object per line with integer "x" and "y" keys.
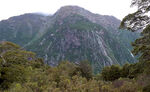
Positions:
{"x": 74, "y": 38}
{"x": 111, "y": 73}
{"x": 22, "y": 71}
{"x": 20, "y": 32}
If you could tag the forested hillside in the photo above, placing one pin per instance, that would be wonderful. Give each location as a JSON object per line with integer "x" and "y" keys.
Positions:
{"x": 22, "y": 71}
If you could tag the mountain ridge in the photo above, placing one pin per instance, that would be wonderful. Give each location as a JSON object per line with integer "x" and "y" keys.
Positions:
{"x": 95, "y": 18}
{"x": 76, "y": 34}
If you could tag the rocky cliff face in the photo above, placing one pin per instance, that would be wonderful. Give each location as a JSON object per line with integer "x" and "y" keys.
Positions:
{"x": 74, "y": 34}
{"x": 104, "y": 20}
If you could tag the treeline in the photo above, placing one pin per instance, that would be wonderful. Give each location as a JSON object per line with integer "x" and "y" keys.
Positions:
{"x": 22, "y": 71}
{"x": 130, "y": 71}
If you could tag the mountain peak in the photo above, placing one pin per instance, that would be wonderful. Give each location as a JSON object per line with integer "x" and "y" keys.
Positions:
{"x": 72, "y": 9}
{"x": 104, "y": 20}
{"x": 68, "y": 10}
{"x": 72, "y": 33}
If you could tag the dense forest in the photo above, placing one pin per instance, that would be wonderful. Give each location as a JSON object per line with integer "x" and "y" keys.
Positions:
{"x": 24, "y": 71}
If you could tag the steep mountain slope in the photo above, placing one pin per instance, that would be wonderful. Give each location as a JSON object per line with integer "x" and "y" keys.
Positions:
{"x": 74, "y": 35}
{"x": 108, "y": 22}
{"x": 104, "y": 20}
{"x": 21, "y": 29}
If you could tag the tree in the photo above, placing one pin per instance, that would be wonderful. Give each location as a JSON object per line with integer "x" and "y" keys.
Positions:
{"x": 111, "y": 73}
{"x": 6, "y": 46}
{"x": 125, "y": 70}
{"x": 84, "y": 69}
{"x": 13, "y": 73}
{"x": 16, "y": 64}
{"x": 139, "y": 21}
{"x": 142, "y": 45}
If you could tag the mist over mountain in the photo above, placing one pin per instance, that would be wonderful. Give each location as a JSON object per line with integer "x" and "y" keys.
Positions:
{"x": 73, "y": 34}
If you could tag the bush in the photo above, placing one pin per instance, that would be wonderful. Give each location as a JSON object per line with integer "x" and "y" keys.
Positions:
{"x": 84, "y": 69}
{"x": 146, "y": 88}
{"x": 111, "y": 73}
{"x": 125, "y": 70}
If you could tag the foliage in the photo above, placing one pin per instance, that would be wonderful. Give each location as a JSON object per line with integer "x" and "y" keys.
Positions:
{"x": 147, "y": 88}
{"x": 24, "y": 72}
{"x": 16, "y": 64}
{"x": 142, "y": 45}
{"x": 131, "y": 71}
{"x": 125, "y": 70}
{"x": 139, "y": 19}
{"x": 84, "y": 69}
{"x": 111, "y": 73}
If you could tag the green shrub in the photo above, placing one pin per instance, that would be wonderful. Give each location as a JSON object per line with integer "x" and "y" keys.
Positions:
{"x": 111, "y": 73}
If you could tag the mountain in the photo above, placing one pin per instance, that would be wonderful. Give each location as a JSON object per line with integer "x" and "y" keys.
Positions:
{"x": 21, "y": 29}
{"x": 72, "y": 34}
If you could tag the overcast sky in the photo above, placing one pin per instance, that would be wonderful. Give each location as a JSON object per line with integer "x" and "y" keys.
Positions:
{"x": 117, "y": 8}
